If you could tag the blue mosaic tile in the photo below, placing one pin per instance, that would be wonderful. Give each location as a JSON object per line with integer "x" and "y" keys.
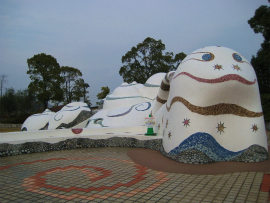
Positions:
{"x": 206, "y": 144}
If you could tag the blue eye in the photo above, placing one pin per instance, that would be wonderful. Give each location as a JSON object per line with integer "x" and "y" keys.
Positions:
{"x": 206, "y": 57}
{"x": 237, "y": 57}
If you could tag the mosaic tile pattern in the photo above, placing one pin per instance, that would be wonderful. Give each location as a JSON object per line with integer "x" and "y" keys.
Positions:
{"x": 217, "y": 109}
{"x": 196, "y": 149}
{"x": 223, "y": 78}
{"x": 97, "y": 121}
{"x": 162, "y": 101}
{"x": 108, "y": 175}
{"x": 150, "y": 85}
{"x": 136, "y": 107}
{"x": 203, "y": 148}
{"x": 83, "y": 115}
{"x": 208, "y": 56}
{"x": 131, "y": 97}
{"x": 189, "y": 156}
{"x": 77, "y": 143}
{"x": 239, "y": 59}
{"x": 164, "y": 87}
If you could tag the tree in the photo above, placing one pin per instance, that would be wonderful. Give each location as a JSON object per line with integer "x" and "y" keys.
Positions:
{"x": 8, "y": 101}
{"x": 24, "y": 101}
{"x": 260, "y": 23}
{"x": 45, "y": 78}
{"x": 104, "y": 92}
{"x": 3, "y": 81}
{"x": 79, "y": 91}
{"x": 69, "y": 74}
{"x": 17, "y": 102}
{"x": 147, "y": 59}
{"x": 261, "y": 65}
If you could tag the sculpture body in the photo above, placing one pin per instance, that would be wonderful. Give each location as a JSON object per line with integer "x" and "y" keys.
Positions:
{"x": 209, "y": 110}
{"x": 75, "y": 114}
{"x": 128, "y": 105}
{"x": 37, "y": 121}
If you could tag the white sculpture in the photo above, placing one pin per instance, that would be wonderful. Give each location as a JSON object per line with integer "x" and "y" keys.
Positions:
{"x": 75, "y": 114}
{"x": 37, "y": 121}
{"x": 209, "y": 109}
{"x": 128, "y": 105}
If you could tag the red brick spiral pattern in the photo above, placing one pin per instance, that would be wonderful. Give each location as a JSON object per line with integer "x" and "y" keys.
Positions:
{"x": 40, "y": 182}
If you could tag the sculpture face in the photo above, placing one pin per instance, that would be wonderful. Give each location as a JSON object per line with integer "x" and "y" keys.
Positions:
{"x": 213, "y": 108}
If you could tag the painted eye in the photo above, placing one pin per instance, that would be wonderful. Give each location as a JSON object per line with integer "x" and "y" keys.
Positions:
{"x": 237, "y": 57}
{"x": 208, "y": 57}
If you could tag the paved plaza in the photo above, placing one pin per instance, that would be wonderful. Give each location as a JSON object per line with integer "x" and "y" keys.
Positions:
{"x": 109, "y": 175}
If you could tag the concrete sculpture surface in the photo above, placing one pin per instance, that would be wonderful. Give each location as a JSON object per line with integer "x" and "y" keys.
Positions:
{"x": 128, "y": 105}
{"x": 75, "y": 114}
{"x": 37, "y": 121}
{"x": 209, "y": 109}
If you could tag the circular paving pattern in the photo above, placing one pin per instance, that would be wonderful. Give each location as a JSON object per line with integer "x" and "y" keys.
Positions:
{"x": 85, "y": 181}
{"x": 98, "y": 174}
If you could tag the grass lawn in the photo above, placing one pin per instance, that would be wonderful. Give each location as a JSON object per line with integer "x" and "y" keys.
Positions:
{"x": 6, "y": 130}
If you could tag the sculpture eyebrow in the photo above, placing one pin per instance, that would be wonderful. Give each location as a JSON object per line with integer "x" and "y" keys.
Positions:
{"x": 240, "y": 61}
{"x": 212, "y": 57}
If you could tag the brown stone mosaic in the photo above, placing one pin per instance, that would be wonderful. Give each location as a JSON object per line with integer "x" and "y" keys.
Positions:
{"x": 217, "y": 109}
{"x": 164, "y": 87}
{"x": 162, "y": 101}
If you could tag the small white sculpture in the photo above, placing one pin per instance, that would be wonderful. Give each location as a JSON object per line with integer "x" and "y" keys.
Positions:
{"x": 75, "y": 114}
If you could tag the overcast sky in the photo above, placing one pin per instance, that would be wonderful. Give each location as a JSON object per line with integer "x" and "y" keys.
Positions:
{"x": 93, "y": 35}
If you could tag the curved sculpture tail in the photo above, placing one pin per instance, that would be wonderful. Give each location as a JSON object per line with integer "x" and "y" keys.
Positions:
{"x": 163, "y": 92}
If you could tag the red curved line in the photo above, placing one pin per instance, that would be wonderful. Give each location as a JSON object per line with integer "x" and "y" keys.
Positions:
{"x": 219, "y": 80}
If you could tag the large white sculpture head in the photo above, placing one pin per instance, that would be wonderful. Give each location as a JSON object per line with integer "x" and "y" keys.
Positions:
{"x": 213, "y": 109}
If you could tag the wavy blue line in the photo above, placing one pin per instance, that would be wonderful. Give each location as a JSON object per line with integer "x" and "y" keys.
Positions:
{"x": 41, "y": 114}
{"x": 150, "y": 85}
{"x": 62, "y": 112}
{"x": 59, "y": 118}
{"x": 122, "y": 114}
{"x": 125, "y": 113}
{"x": 71, "y": 109}
{"x": 207, "y": 144}
{"x": 149, "y": 105}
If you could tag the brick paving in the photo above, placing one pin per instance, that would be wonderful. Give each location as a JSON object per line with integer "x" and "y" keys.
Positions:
{"x": 109, "y": 175}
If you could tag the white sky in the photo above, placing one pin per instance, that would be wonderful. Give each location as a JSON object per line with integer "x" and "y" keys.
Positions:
{"x": 93, "y": 35}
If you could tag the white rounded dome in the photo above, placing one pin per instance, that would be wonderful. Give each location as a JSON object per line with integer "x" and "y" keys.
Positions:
{"x": 125, "y": 91}
{"x": 156, "y": 79}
